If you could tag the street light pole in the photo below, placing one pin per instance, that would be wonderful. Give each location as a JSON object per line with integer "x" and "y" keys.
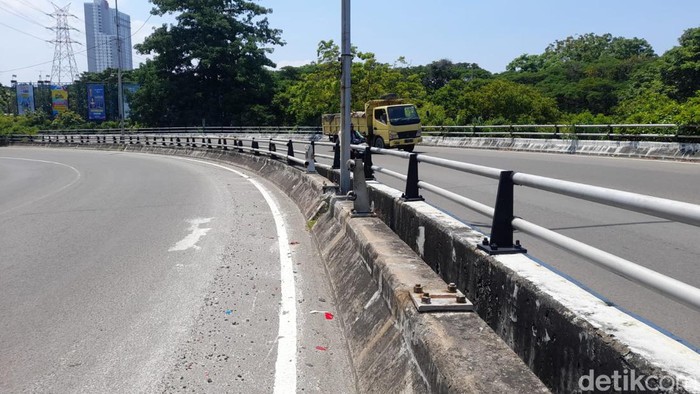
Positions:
{"x": 345, "y": 140}
{"x": 120, "y": 89}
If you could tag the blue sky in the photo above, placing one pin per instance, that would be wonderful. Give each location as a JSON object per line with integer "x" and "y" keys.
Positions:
{"x": 490, "y": 33}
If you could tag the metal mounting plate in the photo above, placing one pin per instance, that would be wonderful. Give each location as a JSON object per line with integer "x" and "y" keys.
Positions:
{"x": 441, "y": 301}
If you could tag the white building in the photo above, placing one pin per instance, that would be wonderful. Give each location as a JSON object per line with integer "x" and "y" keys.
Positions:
{"x": 101, "y": 37}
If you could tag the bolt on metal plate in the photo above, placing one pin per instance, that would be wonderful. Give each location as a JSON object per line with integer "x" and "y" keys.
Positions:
{"x": 442, "y": 300}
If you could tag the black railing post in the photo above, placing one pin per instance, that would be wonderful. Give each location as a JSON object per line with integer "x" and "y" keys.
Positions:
{"x": 310, "y": 162}
{"x": 501, "y": 227}
{"x": 224, "y": 140}
{"x": 412, "y": 192}
{"x": 336, "y": 155}
{"x": 255, "y": 147}
{"x": 367, "y": 160}
{"x": 290, "y": 152}
{"x": 240, "y": 145}
{"x": 272, "y": 148}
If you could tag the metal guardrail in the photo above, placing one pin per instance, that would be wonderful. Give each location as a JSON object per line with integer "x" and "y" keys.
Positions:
{"x": 193, "y": 130}
{"x": 504, "y": 221}
{"x": 574, "y": 131}
{"x": 613, "y": 130}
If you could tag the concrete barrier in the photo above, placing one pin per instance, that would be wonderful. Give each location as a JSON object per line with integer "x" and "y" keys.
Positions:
{"x": 561, "y": 331}
{"x": 633, "y": 149}
{"x": 566, "y": 336}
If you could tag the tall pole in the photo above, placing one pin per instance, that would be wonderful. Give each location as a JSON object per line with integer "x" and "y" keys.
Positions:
{"x": 346, "y": 58}
{"x": 120, "y": 88}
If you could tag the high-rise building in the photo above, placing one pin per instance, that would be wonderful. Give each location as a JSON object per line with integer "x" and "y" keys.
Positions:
{"x": 101, "y": 37}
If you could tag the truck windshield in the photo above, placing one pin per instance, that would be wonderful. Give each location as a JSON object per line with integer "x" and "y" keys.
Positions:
{"x": 403, "y": 115}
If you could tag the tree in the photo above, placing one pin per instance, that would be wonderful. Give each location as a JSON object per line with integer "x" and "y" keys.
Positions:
{"x": 437, "y": 74}
{"x": 209, "y": 66}
{"x": 318, "y": 91}
{"x": 502, "y": 101}
{"x": 680, "y": 68}
{"x": 6, "y": 98}
{"x": 527, "y": 63}
{"x": 68, "y": 120}
{"x": 591, "y": 47}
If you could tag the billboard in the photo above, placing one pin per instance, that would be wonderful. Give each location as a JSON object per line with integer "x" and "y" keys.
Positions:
{"x": 96, "y": 101}
{"x": 129, "y": 90}
{"x": 25, "y": 98}
{"x": 59, "y": 99}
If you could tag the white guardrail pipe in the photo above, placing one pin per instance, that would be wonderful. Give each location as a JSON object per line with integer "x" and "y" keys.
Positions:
{"x": 676, "y": 211}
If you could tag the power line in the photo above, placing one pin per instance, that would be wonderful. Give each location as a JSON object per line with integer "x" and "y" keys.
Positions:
{"x": 19, "y": 15}
{"x": 144, "y": 24}
{"x": 25, "y": 2}
{"x": 23, "y": 32}
{"x": 81, "y": 52}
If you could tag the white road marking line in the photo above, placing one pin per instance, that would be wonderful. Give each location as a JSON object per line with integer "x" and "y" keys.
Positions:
{"x": 48, "y": 194}
{"x": 286, "y": 364}
{"x": 190, "y": 241}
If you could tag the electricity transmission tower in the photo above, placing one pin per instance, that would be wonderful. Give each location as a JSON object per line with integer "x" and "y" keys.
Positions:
{"x": 64, "y": 68}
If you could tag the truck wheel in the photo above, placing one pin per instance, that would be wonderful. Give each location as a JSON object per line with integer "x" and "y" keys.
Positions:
{"x": 379, "y": 142}
{"x": 409, "y": 148}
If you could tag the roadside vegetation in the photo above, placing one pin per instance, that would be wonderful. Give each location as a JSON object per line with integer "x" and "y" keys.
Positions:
{"x": 212, "y": 68}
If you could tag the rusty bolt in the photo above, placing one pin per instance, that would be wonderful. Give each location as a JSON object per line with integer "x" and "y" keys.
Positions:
{"x": 452, "y": 288}
{"x": 418, "y": 288}
{"x": 425, "y": 299}
{"x": 461, "y": 299}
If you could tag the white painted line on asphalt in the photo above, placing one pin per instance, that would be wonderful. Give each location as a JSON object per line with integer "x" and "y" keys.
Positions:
{"x": 286, "y": 364}
{"x": 47, "y": 194}
{"x": 196, "y": 233}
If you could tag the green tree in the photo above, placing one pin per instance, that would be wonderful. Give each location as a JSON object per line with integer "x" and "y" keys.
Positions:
{"x": 502, "y": 101}
{"x": 318, "y": 90}
{"x": 591, "y": 47}
{"x": 648, "y": 107}
{"x": 437, "y": 74}
{"x": 680, "y": 69}
{"x": 587, "y": 73}
{"x": 68, "y": 120}
{"x": 6, "y": 100}
{"x": 210, "y": 65}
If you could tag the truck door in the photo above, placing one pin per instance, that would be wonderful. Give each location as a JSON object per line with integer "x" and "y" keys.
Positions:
{"x": 380, "y": 128}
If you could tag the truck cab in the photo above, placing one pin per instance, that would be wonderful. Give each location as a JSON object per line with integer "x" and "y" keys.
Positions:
{"x": 392, "y": 123}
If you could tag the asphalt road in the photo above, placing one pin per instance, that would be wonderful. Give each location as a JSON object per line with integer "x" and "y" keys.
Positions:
{"x": 128, "y": 273}
{"x": 670, "y": 248}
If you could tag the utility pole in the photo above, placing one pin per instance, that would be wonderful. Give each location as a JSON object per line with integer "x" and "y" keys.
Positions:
{"x": 346, "y": 60}
{"x": 120, "y": 88}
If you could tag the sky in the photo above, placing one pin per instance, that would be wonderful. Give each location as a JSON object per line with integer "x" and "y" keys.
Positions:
{"x": 490, "y": 33}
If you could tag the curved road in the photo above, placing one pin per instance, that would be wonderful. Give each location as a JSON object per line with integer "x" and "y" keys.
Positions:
{"x": 126, "y": 272}
{"x": 670, "y": 248}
